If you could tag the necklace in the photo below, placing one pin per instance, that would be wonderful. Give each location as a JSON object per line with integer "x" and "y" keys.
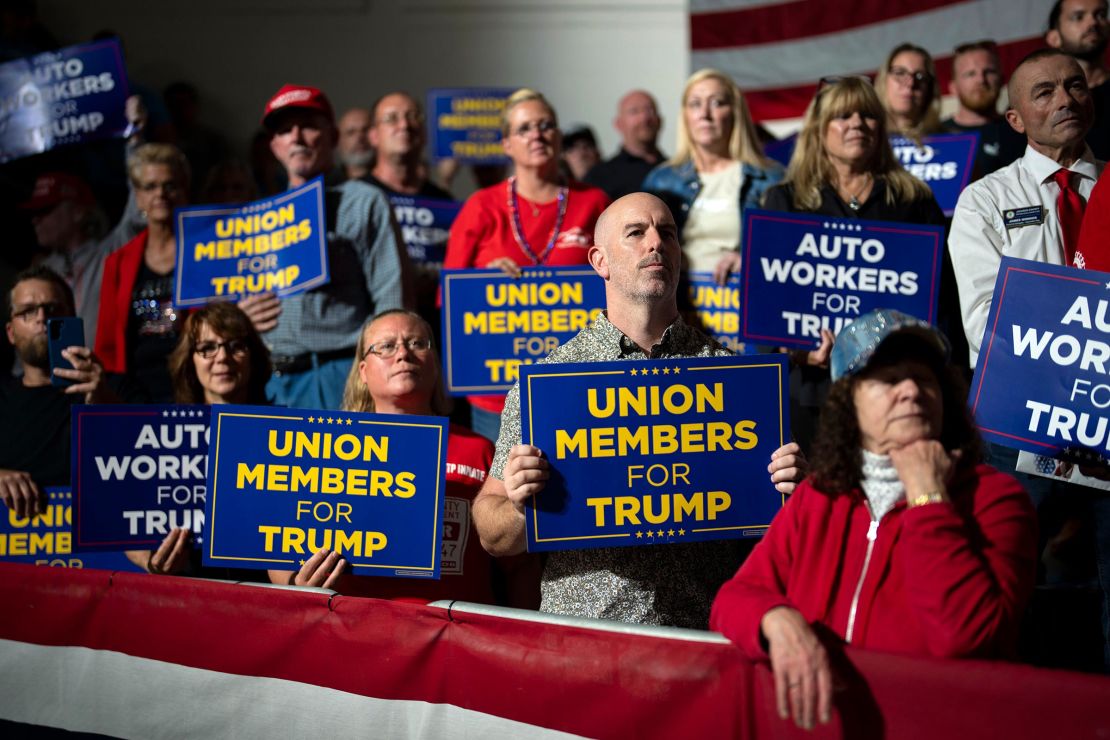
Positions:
{"x": 854, "y": 201}
{"x": 518, "y": 230}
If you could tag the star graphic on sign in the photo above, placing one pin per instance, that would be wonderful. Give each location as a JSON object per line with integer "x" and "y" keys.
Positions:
{"x": 300, "y": 562}
{"x": 639, "y": 535}
{"x": 331, "y": 420}
{"x": 311, "y": 419}
{"x": 659, "y": 533}
{"x": 1108, "y": 285}
{"x": 655, "y": 371}
{"x": 348, "y": 422}
{"x": 167, "y": 413}
{"x": 632, "y": 372}
{"x": 681, "y": 532}
{"x": 676, "y": 371}
{"x": 670, "y": 533}
{"x": 650, "y": 533}
{"x": 666, "y": 371}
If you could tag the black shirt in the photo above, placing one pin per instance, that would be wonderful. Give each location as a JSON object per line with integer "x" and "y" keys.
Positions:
{"x": 34, "y": 431}
{"x": 152, "y": 327}
{"x": 1098, "y": 138}
{"x": 999, "y": 144}
{"x": 621, "y": 175}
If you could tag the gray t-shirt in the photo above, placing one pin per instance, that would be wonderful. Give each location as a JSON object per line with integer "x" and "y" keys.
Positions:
{"x": 671, "y": 585}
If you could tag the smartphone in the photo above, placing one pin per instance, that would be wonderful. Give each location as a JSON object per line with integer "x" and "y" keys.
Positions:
{"x": 62, "y": 333}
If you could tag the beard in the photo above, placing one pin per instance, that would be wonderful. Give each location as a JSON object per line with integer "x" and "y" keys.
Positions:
{"x": 34, "y": 352}
{"x": 1087, "y": 51}
{"x": 356, "y": 159}
{"x": 981, "y": 101}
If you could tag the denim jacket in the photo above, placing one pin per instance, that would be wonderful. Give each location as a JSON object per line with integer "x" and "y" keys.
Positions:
{"x": 679, "y": 186}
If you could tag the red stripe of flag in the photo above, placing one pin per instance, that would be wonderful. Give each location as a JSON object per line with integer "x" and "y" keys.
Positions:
{"x": 790, "y": 102}
{"x": 796, "y": 20}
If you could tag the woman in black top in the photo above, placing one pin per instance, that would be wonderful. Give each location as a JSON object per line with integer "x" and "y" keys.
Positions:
{"x": 843, "y": 166}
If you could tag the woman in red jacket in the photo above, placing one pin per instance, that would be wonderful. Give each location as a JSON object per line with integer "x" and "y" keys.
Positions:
{"x": 899, "y": 540}
{"x": 536, "y": 217}
{"x": 137, "y": 327}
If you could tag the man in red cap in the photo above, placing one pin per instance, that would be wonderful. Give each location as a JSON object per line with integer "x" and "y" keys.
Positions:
{"x": 312, "y": 335}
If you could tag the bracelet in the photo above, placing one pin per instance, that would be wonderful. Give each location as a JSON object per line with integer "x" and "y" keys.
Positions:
{"x": 932, "y": 497}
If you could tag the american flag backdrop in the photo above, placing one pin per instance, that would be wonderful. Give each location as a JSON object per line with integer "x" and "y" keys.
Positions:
{"x": 777, "y": 50}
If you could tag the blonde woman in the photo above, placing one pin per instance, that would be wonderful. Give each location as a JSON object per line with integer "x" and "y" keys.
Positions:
{"x": 717, "y": 171}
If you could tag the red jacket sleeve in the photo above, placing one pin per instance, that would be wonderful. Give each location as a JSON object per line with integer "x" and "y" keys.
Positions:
{"x": 1094, "y": 236}
{"x": 760, "y": 584}
{"x": 970, "y": 566}
{"x": 468, "y": 231}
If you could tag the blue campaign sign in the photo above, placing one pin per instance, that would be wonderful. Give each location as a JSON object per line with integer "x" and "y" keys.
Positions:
{"x": 782, "y": 150}
{"x": 277, "y": 244}
{"x": 653, "y": 452}
{"x": 943, "y": 162}
{"x": 47, "y": 538}
{"x": 493, "y": 324}
{"x": 62, "y": 97}
{"x": 425, "y": 224}
{"x": 286, "y": 483}
{"x": 138, "y": 472}
{"x": 1040, "y": 383}
{"x": 803, "y": 273}
{"x": 716, "y": 308}
{"x": 465, "y": 124}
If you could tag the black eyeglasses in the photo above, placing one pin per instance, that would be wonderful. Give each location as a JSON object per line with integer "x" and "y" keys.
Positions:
{"x": 30, "y": 310}
{"x": 904, "y": 75}
{"x": 389, "y": 347}
{"x": 234, "y": 347}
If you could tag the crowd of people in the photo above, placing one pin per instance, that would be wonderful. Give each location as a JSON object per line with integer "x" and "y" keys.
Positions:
{"x": 897, "y": 533}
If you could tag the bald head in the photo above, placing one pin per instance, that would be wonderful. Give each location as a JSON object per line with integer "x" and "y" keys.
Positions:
{"x": 634, "y": 208}
{"x": 1051, "y": 104}
{"x": 637, "y": 120}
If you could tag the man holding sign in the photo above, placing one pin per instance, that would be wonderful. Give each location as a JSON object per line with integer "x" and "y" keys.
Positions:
{"x": 637, "y": 253}
{"x": 312, "y": 335}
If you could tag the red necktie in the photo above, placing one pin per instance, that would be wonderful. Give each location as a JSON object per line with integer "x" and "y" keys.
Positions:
{"x": 1069, "y": 207}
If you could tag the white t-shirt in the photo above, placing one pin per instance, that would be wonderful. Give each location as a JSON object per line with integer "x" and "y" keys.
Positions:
{"x": 713, "y": 222}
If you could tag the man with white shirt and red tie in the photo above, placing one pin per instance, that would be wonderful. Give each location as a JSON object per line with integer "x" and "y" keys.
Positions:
{"x": 1033, "y": 209}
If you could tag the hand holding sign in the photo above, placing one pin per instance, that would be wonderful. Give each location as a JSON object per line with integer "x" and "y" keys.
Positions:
{"x": 526, "y": 473}
{"x": 263, "y": 309}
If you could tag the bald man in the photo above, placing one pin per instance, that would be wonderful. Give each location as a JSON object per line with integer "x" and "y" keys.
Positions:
{"x": 1050, "y": 105}
{"x": 1015, "y": 212}
{"x": 636, "y": 253}
{"x": 638, "y": 123}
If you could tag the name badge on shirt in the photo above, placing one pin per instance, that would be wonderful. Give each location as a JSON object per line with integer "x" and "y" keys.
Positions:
{"x": 1026, "y": 216}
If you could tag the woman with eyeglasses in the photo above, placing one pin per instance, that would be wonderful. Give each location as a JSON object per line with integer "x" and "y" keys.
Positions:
{"x": 843, "y": 166}
{"x": 220, "y": 358}
{"x": 137, "y": 326}
{"x": 535, "y": 218}
{"x": 396, "y": 371}
{"x": 908, "y": 88}
{"x": 717, "y": 171}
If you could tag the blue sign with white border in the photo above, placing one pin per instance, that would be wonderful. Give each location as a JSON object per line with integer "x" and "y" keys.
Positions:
{"x": 138, "y": 472}
{"x": 494, "y": 324}
{"x": 56, "y": 98}
{"x": 653, "y": 452}
{"x": 286, "y": 483}
{"x": 1040, "y": 382}
{"x": 278, "y": 244}
{"x": 802, "y": 273}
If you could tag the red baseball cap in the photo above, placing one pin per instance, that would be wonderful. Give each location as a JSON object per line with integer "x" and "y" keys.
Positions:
{"x": 296, "y": 96}
{"x": 52, "y": 188}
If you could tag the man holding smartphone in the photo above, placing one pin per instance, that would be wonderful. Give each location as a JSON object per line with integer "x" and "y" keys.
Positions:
{"x": 34, "y": 438}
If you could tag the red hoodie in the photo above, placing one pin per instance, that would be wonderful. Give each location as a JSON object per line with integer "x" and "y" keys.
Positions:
{"x": 943, "y": 580}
